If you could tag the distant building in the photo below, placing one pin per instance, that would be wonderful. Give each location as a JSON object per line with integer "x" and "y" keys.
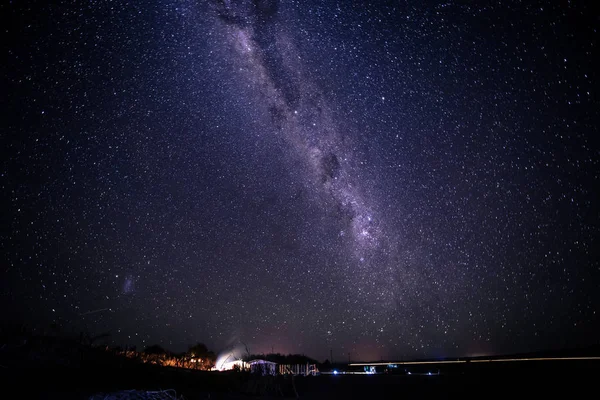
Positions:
{"x": 263, "y": 367}
{"x": 298, "y": 369}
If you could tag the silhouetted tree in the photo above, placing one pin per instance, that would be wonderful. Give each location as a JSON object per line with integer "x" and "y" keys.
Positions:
{"x": 326, "y": 366}
{"x": 204, "y": 358}
{"x": 198, "y": 350}
{"x": 155, "y": 349}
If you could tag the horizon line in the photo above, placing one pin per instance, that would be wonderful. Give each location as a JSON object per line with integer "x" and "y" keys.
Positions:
{"x": 479, "y": 360}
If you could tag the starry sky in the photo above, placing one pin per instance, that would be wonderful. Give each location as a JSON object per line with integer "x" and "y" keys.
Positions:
{"x": 402, "y": 179}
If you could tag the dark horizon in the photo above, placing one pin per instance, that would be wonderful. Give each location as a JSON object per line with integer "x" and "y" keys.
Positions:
{"x": 20, "y": 332}
{"x": 406, "y": 179}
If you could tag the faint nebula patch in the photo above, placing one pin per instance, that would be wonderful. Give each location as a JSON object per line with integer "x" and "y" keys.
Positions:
{"x": 128, "y": 285}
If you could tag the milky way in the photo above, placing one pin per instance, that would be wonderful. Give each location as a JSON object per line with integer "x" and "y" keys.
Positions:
{"x": 364, "y": 182}
{"x": 301, "y": 113}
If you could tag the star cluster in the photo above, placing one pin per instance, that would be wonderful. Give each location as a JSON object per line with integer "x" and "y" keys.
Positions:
{"x": 367, "y": 182}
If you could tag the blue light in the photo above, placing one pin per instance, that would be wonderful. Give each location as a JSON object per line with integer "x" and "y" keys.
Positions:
{"x": 335, "y": 372}
{"x": 429, "y": 373}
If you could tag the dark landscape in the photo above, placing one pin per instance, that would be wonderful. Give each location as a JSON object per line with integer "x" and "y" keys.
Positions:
{"x": 574, "y": 379}
{"x": 54, "y": 367}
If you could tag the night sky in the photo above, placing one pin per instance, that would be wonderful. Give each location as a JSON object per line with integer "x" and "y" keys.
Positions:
{"x": 407, "y": 179}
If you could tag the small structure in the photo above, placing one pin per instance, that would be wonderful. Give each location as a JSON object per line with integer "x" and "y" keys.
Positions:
{"x": 298, "y": 369}
{"x": 263, "y": 367}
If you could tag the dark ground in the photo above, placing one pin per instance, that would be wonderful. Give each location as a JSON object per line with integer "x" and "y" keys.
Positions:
{"x": 572, "y": 378}
{"x": 44, "y": 367}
